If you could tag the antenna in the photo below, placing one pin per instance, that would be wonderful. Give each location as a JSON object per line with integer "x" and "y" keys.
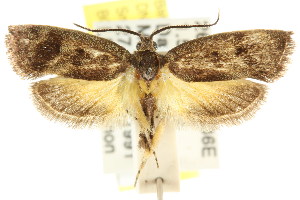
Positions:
{"x": 109, "y": 29}
{"x": 185, "y": 26}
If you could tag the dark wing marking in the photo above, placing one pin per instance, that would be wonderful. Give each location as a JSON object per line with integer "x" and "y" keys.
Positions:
{"x": 258, "y": 54}
{"x": 37, "y": 50}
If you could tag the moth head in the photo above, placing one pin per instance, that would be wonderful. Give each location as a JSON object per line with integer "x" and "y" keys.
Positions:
{"x": 146, "y": 44}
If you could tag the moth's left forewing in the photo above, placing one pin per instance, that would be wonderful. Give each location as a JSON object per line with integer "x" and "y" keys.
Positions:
{"x": 257, "y": 54}
{"x": 204, "y": 81}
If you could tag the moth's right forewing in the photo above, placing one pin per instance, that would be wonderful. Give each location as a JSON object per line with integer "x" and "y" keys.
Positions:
{"x": 37, "y": 50}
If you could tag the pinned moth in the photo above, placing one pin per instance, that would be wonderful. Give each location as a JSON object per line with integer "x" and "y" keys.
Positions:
{"x": 205, "y": 82}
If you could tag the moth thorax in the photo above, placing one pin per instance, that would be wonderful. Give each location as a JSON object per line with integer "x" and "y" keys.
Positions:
{"x": 147, "y": 63}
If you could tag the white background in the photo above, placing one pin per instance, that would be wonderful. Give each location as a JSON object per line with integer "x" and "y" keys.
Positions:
{"x": 45, "y": 160}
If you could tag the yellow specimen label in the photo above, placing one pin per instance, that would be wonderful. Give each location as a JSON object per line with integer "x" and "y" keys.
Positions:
{"x": 188, "y": 174}
{"x": 125, "y": 9}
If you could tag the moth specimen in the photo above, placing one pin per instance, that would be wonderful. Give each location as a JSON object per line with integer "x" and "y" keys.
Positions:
{"x": 204, "y": 82}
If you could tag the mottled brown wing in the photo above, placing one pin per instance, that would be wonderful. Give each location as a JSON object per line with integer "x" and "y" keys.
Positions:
{"x": 207, "y": 104}
{"x": 257, "y": 54}
{"x": 81, "y": 103}
{"x": 37, "y": 50}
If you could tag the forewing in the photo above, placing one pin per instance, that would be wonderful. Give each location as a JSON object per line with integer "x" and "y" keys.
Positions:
{"x": 37, "y": 50}
{"x": 82, "y": 103}
{"x": 258, "y": 54}
{"x": 208, "y": 103}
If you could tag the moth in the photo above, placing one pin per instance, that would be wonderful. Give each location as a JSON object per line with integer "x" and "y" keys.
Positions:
{"x": 206, "y": 82}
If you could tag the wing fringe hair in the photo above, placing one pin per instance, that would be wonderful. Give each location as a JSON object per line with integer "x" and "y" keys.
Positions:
{"x": 285, "y": 58}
